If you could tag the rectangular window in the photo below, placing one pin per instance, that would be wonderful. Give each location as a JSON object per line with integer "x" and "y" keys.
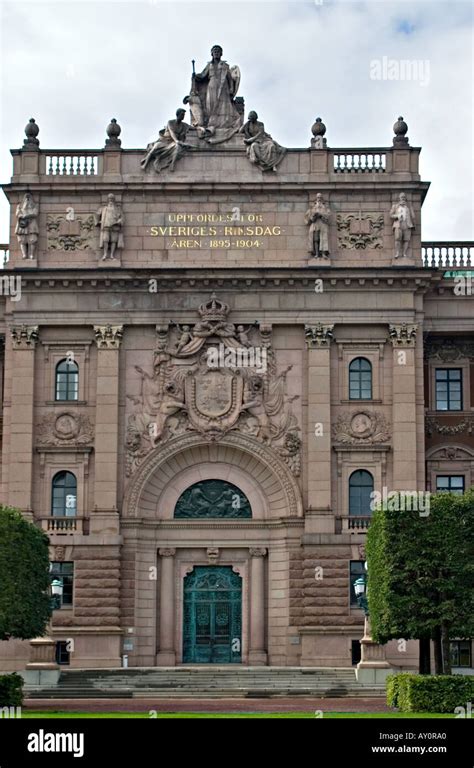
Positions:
{"x": 460, "y": 653}
{"x": 451, "y": 483}
{"x": 357, "y": 569}
{"x": 62, "y": 652}
{"x": 448, "y": 389}
{"x": 64, "y": 572}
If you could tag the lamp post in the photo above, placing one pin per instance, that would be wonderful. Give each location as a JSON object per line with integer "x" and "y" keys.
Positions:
{"x": 42, "y": 667}
{"x": 372, "y": 667}
{"x": 360, "y": 589}
{"x": 56, "y": 590}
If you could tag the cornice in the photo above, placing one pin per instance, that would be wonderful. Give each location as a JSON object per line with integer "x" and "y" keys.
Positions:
{"x": 226, "y": 278}
{"x": 176, "y": 525}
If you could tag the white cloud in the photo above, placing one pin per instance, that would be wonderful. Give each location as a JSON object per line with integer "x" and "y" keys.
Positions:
{"x": 75, "y": 65}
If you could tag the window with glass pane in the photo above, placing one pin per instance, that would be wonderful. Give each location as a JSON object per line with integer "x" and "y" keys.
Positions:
{"x": 360, "y": 379}
{"x": 460, "y": 653}
{"x": 64, "y": 572}
{"x": 361, "y": 486}
{"x": 450, "y": 483}
{"x": 67, "y": 380}
{"x": 357, "y": 570}
{"x": 62, "y": 652}
{"x": 448, "y": 389}
{"x": 64, "y": 495}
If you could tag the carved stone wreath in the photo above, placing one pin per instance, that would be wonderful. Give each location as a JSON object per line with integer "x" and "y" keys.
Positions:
{"x": 433, "y": 425}
{"x": 448, "y": 350}
{"x": 361, "y": 427}
{"x": 64, "y": 429}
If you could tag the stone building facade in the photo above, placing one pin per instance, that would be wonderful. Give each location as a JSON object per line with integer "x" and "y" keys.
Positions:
{"x": 198, "y": 421}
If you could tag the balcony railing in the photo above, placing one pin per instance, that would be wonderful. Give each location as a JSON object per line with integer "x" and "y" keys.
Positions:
{"x": 450, "y": 254}
{"x": 355, "y": 523}
{"x": 4, "y": 254}
{"x": 61, "y": 525}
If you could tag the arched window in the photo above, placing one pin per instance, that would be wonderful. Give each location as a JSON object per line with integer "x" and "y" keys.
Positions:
{"x": 212, "y": 498}
{"x": 67, "y": 380}
{"x": 360, "y": 379}
{"x": 64, "y": 495}
{"x": 361, "y": 485}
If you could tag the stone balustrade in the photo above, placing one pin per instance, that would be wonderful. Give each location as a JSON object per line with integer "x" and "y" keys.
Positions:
{"x": 61, "y": 163}
{"x": 454, "y": 254}
{"x": 61, "y": 525}
{"x": 359, "y": 161}
{"x": 121, "y": 164}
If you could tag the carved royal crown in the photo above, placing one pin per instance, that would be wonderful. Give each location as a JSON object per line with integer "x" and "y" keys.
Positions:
{"x": 214, "y": 309}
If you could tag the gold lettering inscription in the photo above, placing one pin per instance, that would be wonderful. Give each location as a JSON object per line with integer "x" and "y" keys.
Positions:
{"x": 234, "y": 228}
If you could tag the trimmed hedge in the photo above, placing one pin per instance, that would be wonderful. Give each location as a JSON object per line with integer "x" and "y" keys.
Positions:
{"x": 11, "y": 690}
{"x": 429, "y": 693}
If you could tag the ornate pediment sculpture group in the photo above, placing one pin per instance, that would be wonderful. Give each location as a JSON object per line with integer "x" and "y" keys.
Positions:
{"x": 211, "y": 378}
{"x": 216, "y": 116}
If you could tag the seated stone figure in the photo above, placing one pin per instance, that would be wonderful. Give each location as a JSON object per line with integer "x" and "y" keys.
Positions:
{"x": 170, "y": 146}
{"x": 262, "y": 150}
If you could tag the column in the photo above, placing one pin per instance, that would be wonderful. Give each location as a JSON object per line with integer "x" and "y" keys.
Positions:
{"x": 318, "y": 339}
{"x": 166, "y": 655}
{"x": 257, "y": 652}
{"x": 404, "y": 451}
{"x": 18, "y": 453}
{"x": 108, "y": 338}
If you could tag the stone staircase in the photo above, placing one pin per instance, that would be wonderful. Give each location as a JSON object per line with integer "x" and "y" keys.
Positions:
{"x": 206, "y": 682}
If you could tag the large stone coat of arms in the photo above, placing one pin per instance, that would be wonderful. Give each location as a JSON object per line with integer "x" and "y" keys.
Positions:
{"x": 211, "y": 378}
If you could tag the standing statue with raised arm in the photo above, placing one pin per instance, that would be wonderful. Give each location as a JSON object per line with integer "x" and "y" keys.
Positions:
{"x": 170, "y": 146}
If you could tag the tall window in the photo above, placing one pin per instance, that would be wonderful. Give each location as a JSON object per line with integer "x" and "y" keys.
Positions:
{"x": 67, "y": 380}
{"x": 451, "y": 483}
{"x": 64, "y": 495}
{"x": 357, "y": 570}
{"x": 64, "y": 572}
{"x": 360, "y": 379}
{"x": 361, "y": 485}
{"x": 448, "y": 389}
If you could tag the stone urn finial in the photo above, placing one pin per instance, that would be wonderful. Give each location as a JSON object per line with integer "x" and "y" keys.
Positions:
{"x": 318, "y": 129}
{"x": 31, "y": 131}
{"x": 113, "y": 132}
{"x": 400, "y": 128}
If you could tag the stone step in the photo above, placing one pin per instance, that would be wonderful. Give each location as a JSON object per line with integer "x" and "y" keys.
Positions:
{"x": 206, "y": 682}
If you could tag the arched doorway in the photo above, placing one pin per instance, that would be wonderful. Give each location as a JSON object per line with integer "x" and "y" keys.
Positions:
{"x": 212, "y": 616}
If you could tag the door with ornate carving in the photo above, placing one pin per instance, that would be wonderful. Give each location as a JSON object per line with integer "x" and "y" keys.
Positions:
{"x": 212, "y": 616}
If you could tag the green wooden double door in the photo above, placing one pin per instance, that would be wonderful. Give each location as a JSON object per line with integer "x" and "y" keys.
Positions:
{"x": 212, "y": 616}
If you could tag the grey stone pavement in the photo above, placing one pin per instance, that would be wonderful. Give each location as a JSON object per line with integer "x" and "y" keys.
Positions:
{"x": 286, "y": 704}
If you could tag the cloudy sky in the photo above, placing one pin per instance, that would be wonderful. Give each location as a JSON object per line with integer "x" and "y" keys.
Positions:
{"x": 74, "y": 65}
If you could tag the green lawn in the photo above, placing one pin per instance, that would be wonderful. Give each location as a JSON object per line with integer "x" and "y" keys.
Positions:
{"x": 266, "y": 715}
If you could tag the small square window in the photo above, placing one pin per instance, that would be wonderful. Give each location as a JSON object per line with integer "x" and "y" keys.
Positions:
{"x": 450, "y": 483}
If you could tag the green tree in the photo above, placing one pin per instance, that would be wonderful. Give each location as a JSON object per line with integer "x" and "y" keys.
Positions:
{"x": 421, "y": 573}
{"x": 24, "y": 577}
